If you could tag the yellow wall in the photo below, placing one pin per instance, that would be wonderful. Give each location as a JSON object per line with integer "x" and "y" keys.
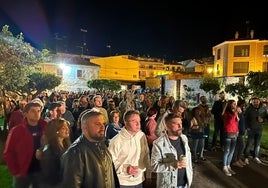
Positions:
{"x": 118, "y": 68}
{"x": 227, "y": 60}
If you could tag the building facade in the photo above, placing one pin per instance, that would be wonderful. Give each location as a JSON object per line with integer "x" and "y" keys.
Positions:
{"x": 74, "y": 70}
{"x": 239, "y": 57}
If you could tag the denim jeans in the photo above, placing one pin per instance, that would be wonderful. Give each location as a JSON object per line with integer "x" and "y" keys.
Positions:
{"x": 198, "y": 147}
{"x": 239, "y": 148}
{"x": 253, "y": 136}
{"x": 229, "y": 147}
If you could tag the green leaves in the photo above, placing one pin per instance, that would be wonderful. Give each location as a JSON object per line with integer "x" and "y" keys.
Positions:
{"x": 209, "y": 84}
{"x": 104, "y": 84}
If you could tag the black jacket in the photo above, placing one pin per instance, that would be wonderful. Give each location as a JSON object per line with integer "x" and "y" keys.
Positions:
{"x": 88, "y": 164}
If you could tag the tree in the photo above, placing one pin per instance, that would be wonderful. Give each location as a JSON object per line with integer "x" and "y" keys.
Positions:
{"x": 188, "y": 91}
{"x": 102, "y": 84}
{"x": 258, "y": 83}
{"x": 40, "y": 82}
{"x": 238, "y": 89}
{"x": 17, "y": 60}
{"x": 210, "y": 85}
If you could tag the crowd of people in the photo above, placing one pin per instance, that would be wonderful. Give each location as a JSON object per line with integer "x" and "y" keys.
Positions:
{"x": 125, "y": 139}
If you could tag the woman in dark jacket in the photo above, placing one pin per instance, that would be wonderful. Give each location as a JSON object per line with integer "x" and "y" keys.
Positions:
{"x": 57, "y": 136}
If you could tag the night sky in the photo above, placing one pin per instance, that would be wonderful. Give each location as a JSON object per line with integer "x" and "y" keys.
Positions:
{"x": 171, "y": 30}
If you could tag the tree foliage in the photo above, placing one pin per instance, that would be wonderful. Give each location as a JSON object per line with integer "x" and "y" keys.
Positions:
{"x": 238, "y": 89}
{"x": 210, "y": 85}
{"x": 102, "y": 84}
{"x": 258, "y": 83}
{"x": 17, "y": 60}
{"x": 40, "y": 82}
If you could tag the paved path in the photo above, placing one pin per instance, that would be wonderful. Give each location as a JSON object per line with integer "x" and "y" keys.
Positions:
{"x": 208, "y": 174}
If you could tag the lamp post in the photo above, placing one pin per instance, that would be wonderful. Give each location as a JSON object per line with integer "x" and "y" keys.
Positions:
{"x": 84, "y": 44}
{"x": 109, "y": 47}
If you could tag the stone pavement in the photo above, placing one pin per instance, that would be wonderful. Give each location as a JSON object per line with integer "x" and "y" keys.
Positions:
{"x": 209, "y": 174}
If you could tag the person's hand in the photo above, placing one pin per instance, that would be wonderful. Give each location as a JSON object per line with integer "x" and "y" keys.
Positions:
{"x": 132, "y": 170}
{"x": 180, "y": 164}
{"x": 260, "y": 119}
{"x": 38, "y": 154}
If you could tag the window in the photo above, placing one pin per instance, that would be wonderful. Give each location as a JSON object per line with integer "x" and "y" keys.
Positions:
{"x": 241, "y": 51}
{"x": 240, "y": 67}
{"x": 79, "y": 74}
{"x": 218, "y": 54}
{"x": 265, "y": 66}
{"x": 265, "y": 50}
{"x": 59, "y": 72}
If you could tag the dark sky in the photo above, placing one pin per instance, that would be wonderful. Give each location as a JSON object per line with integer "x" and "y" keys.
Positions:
{"x": 173, "y": 30}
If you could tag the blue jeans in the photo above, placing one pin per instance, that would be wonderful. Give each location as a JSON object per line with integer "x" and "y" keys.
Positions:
{"x": 239, "y": 148}
{"x": 229, "y": 147}
{"x": 253, "y": 136}
{"x": 198, "y": 147}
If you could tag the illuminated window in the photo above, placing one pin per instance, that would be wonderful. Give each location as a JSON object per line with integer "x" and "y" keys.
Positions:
{"x": 241, "y": 51}
{"x": 240, "y": 67}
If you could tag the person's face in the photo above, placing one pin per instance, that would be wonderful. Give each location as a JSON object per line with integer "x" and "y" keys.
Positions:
{"x": 141, "y": 97}
{"x": 256, "y": 103}
{"x": 55, "y": 113}
{"x": 178, "y": 110}
{"x": 222, "y": 96}
{"x": 233, "y": 106}
{"x": 34, "y": 114}
{"x": 64, "y": 131}
{"x": 62, "y": 108}
{"x": 98, "y": 102}
{"x": 116, "y": 118}
{"x": 23, "y": 104}
{"x": 83, "y": 101}
{"x": 174, "y": 127}
{"x": 203, "y": 100}
{"x": 133, "y": 124}
{"x": 95, "y": 128}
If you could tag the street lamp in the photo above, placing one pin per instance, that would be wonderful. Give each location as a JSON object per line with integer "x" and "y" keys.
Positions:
{"x": 84, "y": 44}
{"x": 109, "y": 46}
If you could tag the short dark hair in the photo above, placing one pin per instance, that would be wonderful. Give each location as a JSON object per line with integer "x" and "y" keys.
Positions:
{"x": 171, "y": 116}
{"x": 31, "y": 104}
{"x": 53, "y": 105}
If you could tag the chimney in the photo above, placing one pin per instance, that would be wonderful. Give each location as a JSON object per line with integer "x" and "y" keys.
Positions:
{"x": 236, "y": 35}
{"x": 251, "y": 34}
